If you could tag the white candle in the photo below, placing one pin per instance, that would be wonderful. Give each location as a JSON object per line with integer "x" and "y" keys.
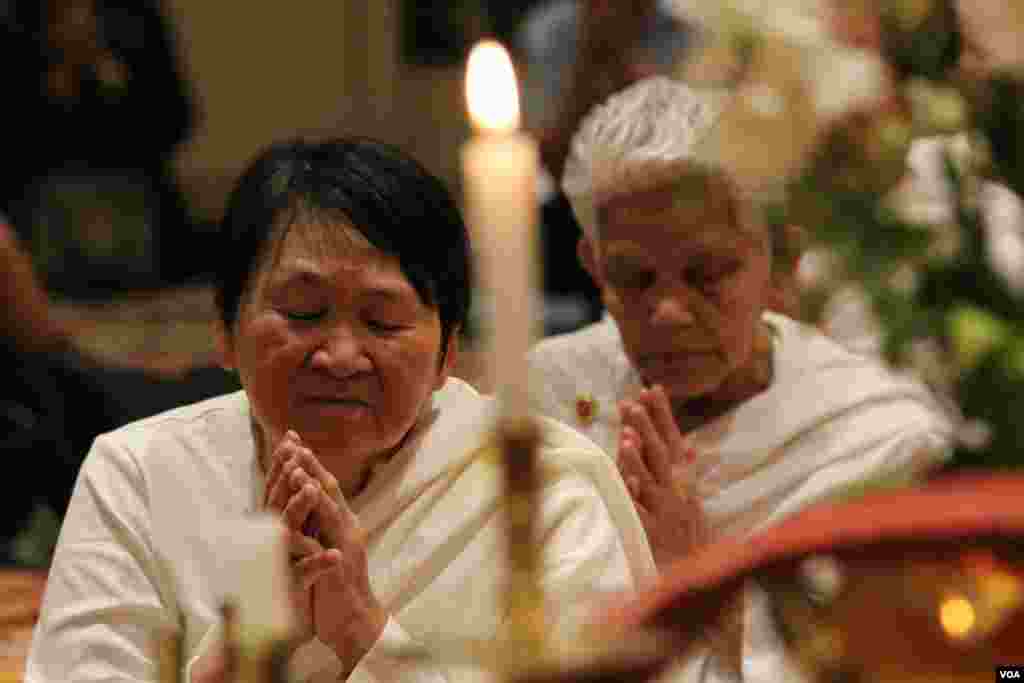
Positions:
{"x": 499, "y": 166}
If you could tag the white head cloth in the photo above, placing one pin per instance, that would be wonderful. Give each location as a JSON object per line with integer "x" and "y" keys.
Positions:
{"x": 641, "y": 138}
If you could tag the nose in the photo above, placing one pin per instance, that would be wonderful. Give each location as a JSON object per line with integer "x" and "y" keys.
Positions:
{"x": 340, "y": 352}
{"x": 672, "y": 308}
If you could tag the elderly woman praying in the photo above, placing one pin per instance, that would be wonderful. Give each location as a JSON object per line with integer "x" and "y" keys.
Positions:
{"x": 723, "y": 416}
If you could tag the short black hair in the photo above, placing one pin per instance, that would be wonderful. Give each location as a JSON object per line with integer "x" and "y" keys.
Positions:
{"x": 386, "y": 195}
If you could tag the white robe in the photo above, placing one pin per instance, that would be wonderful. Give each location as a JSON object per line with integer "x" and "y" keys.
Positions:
{"x": 829, "y": 420}
{"x": 435, "y": 548}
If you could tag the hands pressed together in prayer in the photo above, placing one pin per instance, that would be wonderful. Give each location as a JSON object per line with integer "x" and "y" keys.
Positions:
{"x": 327, "y": 546}
{"x": 327, "y": 553}
{"x": 656, "y": 463}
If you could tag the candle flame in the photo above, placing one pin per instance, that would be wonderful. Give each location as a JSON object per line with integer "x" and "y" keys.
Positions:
{"x": 491, "y": 91}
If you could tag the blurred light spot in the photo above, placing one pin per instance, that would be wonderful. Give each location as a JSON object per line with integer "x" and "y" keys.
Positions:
{"x": 957, "y": 616}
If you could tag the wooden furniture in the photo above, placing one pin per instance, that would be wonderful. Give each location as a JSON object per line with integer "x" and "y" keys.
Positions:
{"x": 167, "y": 331}
{"x": 21, "y": 592}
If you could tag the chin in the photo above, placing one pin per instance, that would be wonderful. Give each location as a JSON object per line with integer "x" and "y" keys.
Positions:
{"x": 685, "y": 385}
{"x": 679, "y": 394}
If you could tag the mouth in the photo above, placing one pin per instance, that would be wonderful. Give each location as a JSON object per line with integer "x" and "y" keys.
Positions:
{"x": 669, "y": 358}
{"x": 336, "y": 401}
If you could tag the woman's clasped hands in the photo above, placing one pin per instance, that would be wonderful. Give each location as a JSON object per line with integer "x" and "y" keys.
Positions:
{"x": 327, "y": 549}
{"x": 657, "y": 465}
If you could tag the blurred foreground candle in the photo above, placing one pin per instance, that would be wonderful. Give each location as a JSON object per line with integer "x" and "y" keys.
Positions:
{"x": 499, "y": 166}
{"x": 265, "y": 610}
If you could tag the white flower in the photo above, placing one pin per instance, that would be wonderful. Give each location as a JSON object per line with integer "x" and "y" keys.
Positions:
{"x": 817, "y": 266}
{"x": 797, "y": 20}
{"x": 846, "y": 79}
{"x": 839, "y": 78}
{"x": 926, "y": 179}
{"x": 1003, "y": 219}
{"x": 927, "y": 360}
{"x": 920, "y": 202}
{"x": 975, "y": 434}
{"x": 962, "y": 149}
{"x": 850, "y": 319}
{"x": 789, "y": 78}
{"x": 767, "y": 127}
{"x": 926, "y": 198}
{"x": 936, "y": 108}
{"x": 904, "y": 279}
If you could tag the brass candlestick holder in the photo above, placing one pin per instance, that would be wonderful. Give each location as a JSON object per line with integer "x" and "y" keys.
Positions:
{"x": 531, "y": 654}
{"x": 264, "y": 661}
{"x": 519, "y": 441}
{"x": 169, "y": 656}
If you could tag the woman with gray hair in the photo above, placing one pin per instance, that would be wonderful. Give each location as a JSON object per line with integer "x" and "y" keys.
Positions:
{"x": 723, "y": 417}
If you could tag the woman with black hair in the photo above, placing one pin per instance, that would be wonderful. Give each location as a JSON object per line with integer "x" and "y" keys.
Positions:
{"x": 342, "y": 286}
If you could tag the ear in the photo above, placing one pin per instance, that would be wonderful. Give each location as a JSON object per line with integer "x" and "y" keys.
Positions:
{"x": 586, "y": 252}
{"x": 783, "y": 295}
{"x": 451, "y": 355}
{"x": 794, "y": 244}
{"x": 227, "y": 356}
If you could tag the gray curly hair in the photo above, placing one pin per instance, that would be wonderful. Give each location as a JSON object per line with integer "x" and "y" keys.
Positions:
{"x": 644, "y": 137}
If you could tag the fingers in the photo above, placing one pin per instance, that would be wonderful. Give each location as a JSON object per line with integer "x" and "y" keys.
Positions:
{"x": 293, "y": 466}
{"x": 312, "y": 568}
{"x": 308, "y": 496}
{"x": 303, "y": 457}
{"x": 313, "y": 512}
{"x": 212, "y": 666}
{"x": 341, "y": 526}
{"x": 301, "y": 545}
{"x": 631, "y": 463}
{"x": 660, "y": 411}
{"x": 297, "y": 511}
{"x": 277, "y": 491}
{"x": 655, "y": 450}
{"x": 328, "y": 482}
{"x": 296, "y": 496}
{"x": 647, "y": 520}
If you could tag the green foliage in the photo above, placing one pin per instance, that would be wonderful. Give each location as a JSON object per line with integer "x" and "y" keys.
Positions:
{"x": 953, "y": 298}
{"x": 928, "y": 46}
{"x": 1001, "y": 118}
{"x": 930, "y": 286}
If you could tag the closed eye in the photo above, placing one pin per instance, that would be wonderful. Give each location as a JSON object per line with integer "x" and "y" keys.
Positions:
{"x": 635, "y": 279}
{"x": 306, "y": 316}
{"x": 712, "y": 274}
{"x": 384, "y": 327}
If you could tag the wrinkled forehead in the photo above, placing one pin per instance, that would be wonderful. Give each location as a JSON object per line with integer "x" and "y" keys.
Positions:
{"x": 698, "y": 209}
{"x": 311, "y": 235}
